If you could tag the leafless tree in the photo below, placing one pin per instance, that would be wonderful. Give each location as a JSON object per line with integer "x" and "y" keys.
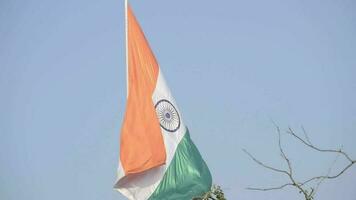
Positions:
{"x": 308, "y": 187}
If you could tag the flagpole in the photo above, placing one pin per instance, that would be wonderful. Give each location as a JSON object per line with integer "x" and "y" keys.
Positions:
{"x": 126, "y": 49}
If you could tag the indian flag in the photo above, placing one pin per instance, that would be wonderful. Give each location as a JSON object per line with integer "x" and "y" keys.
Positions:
{"x": 158, "y": 159}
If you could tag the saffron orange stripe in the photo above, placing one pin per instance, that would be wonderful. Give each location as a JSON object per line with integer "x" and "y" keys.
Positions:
{"x": 142, "y": 146}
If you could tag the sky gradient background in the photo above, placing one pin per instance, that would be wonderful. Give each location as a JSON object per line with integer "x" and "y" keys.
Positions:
{"x": 233, "y": 67}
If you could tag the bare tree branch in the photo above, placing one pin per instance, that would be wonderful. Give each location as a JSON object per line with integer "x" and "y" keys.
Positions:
{"x": 328, "y": 177}
{"x": 271, "y": 188}
{"x": 282, "y": 152}
{"x": 328, "y": 173}
{"x": 291, "y": 132}
{"x": 264, "y": 165}
{"x": 339, "y": 151}
{"x": 308, "y": 193}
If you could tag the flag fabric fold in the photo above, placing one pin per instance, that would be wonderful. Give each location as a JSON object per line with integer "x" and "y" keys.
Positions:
{"x": 158, "y": 159}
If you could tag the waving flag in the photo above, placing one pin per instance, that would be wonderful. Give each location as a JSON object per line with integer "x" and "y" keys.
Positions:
{"x": 158, "y": 160}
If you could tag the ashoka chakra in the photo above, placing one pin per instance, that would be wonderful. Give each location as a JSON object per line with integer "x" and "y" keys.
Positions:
{"x": 167, "y": 115}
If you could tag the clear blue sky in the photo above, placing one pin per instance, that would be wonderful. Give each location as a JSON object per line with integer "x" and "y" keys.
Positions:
{"x": 233, "y": 66}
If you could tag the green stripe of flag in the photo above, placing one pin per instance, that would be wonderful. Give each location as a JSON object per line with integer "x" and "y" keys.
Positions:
{"x": 187, "y": 176}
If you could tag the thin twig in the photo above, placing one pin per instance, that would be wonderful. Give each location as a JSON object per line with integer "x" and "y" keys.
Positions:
{"x": 282, "y": 152}
{"x": 306, "y": 135}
